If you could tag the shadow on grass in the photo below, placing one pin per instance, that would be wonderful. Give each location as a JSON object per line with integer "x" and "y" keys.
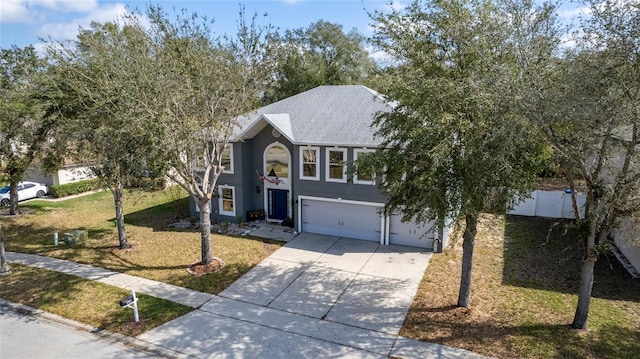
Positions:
{"x": 158, "y": 217}
{"x": 532, "y": 340}
{"x": 79, "y": 299}
{"x": 542, "y": 253}
{"x": 214, "y": 283}
{"x": 35, "y": 238}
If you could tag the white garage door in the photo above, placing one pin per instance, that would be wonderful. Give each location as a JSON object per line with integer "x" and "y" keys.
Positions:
{"x": 350, "y": 220}
{"x": 410, "y": 234}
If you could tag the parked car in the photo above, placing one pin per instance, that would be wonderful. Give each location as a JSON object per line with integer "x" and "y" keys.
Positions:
{"x": 26, "y": 190}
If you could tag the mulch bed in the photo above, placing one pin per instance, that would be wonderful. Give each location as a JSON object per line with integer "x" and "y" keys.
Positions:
{"x": 199, "y": 269}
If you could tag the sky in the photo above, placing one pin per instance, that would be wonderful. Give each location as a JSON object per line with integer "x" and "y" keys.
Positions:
{"x": 23, "y": 22}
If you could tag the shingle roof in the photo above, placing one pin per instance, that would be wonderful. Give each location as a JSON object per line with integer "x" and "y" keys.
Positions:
{"x": 325, "y": 115}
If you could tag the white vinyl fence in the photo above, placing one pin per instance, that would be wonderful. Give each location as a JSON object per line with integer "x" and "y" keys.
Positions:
{"x": 551, "y": 204}
{"x": 557, "y": 204}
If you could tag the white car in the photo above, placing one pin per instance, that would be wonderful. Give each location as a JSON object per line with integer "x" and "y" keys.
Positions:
{"x": 26, "y": 190}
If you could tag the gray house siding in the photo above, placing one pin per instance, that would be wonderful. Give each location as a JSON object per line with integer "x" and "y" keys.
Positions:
{"x": 249, "y": 158}
{"x": 247, "y": 177}
{"x": 234, "y": 180}
{"x": 322, "y": 188}
{"x": 260, "y": 142}
{"x": 325, "y": 118}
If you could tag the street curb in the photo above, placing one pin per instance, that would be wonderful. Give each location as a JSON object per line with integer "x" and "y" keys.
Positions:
{"x": 129, "y": 342}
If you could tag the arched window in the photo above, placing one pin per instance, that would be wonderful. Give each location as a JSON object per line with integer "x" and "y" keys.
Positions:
{"x": 277, "y": 161}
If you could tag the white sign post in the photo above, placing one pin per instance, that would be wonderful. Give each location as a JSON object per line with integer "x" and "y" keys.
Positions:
{"x": 131, "y": 302}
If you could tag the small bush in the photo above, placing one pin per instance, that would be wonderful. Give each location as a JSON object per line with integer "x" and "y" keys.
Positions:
{"x": 148, "y": 183}
{"x": 67, "y": 189}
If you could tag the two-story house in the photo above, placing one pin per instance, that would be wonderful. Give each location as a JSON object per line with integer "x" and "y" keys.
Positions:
{"x": 292, "y": 158}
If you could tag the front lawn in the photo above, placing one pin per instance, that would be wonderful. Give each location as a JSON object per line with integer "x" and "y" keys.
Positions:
{"x": 159, "y": 252}
{"x": 525, "y": 279}
{"x": 85, "y": 301}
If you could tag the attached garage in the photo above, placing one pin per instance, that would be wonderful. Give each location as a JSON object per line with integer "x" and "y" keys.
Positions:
{"x": 350, "y": 219}
{"x": 410, "y": 234}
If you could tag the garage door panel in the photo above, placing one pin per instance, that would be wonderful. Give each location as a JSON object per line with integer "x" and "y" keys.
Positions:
{"x": 410, "y": 233}
{"x": 349, "y": 220}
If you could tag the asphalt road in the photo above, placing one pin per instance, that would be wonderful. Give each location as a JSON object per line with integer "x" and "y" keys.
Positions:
{"x": 24, "y": 335}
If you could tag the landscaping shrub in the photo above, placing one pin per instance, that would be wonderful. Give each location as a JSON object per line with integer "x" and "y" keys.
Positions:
{"x": 148, "y": 183}
{"x": 67, "y": 189}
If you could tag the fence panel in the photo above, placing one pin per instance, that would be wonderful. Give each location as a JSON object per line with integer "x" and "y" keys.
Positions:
{"x": 526, "y": 207}
{"x": 551, "y": 204}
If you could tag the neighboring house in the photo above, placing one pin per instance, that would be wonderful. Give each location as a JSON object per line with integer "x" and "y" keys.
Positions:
{"x": 66, "y": 174}
{"x": 292, "y": 159}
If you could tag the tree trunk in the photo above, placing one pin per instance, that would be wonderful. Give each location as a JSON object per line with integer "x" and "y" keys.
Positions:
{"x": 117, "y": 199}
{"x": 4, "y": 268}
{"x": 586, "y": 281}
{"x": 205, "y": 232}
{"x": 469, "y": 236}
{"x": 13, "y": 197}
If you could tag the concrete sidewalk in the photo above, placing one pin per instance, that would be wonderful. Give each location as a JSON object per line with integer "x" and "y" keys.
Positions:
{"x": 318, "y": 296}
{"x": 169, "y": 292}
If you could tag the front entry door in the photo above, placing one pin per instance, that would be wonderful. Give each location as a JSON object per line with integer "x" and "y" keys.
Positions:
{"x": 278, "y": 204}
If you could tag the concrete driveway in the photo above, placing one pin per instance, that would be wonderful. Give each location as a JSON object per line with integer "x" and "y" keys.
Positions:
{"x": 348, "y": 281}
{"x": 318, "y": 296}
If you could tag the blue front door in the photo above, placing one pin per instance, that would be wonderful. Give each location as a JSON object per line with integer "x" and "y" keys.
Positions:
{"x": 278, "y": 204}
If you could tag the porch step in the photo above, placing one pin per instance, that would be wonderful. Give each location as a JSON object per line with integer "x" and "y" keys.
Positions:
{"x": 280, "y": 233}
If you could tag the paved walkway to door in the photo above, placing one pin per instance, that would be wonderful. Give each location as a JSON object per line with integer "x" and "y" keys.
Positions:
{"x": 318, "y": 296}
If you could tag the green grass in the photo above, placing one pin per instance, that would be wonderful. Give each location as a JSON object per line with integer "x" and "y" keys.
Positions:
{"x": 525, "y": 279}
{"x": 85, "y": 301}
{"x": 158, "y": 251}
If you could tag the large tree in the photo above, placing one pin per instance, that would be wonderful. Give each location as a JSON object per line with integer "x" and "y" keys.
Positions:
{"x": 166, "y": 94}
{"x": 24, "y": 127}
{"x": 207, "y": 82}
{"x": 588, "y": 103}
{"x": 321, "y": 54}
{"x": 100, "y": 77}
{"x": 455, "y": 146}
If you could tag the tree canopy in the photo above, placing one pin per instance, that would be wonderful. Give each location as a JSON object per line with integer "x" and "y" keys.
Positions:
{"x": 321, "y": 54}
{"x": 587, "y": 105}
{"x": 163, "y": 98}
{"x": 454, "y": 146}
{"x": 206, "y": 83}
{"x": 24, "y": 125}
{"x": 100, "y": 78}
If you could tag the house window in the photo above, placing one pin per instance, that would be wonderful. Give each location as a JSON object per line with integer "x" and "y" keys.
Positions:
{"x": 200, "y": 164}
{"x": 309, "y": 157}
{"x": 336, "y": 165}
{"x": 226, "y": 159}
{"x": 227, "y": 200}
{"x": 277, "y": 161}
{"x": 363, "y": 175}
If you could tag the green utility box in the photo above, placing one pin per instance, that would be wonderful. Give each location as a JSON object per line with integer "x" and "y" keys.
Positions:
{"x": 75, "y": 236}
